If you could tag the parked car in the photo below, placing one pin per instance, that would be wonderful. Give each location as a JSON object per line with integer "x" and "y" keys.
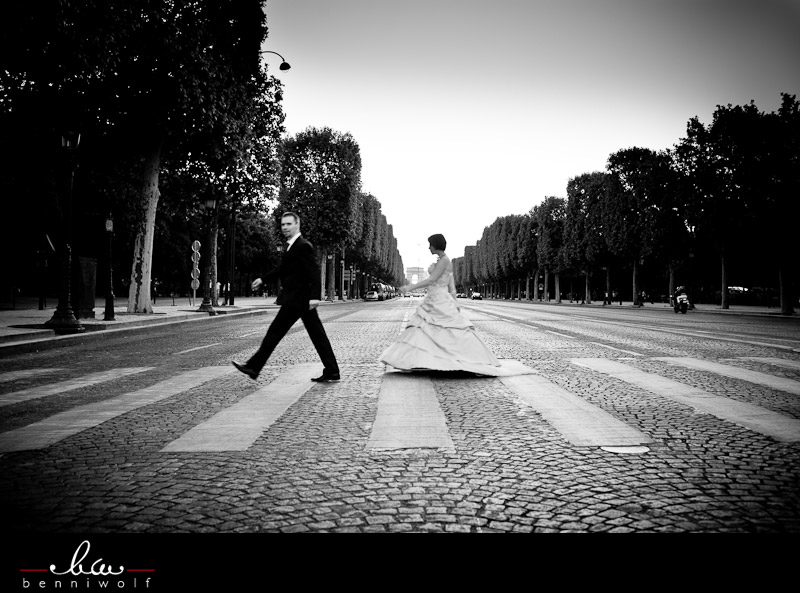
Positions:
{"x": 372, "y": 295}
{"x": 476, "y": 296}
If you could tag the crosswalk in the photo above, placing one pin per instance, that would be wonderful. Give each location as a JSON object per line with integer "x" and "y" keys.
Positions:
{"x": 408, "y": 413}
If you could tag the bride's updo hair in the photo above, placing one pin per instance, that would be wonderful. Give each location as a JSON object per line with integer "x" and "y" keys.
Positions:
{"x": 438, "y": 242}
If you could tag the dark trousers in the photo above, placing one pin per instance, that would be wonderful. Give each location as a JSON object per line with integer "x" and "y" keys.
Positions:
{"x": 287, "y": 316}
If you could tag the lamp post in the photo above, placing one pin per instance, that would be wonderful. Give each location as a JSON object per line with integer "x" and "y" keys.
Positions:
{"x": 232, "y": 262}
{"x": 208, "y": 206}
{"x": 330, "y": 270}
{"x": 63, "y": 320}
{"x": 341, "y": 279}
{"x": 109, "y": 312}
{"x": 284, "y": 64}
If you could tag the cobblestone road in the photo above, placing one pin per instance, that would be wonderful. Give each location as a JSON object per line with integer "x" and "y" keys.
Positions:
{"x": 88, "y": 447}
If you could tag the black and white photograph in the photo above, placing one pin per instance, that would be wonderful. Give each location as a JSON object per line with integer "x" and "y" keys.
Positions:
{"x": 275, "y": 268}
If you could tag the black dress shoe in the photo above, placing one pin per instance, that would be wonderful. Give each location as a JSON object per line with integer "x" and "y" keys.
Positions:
{"x": 325, "y": 378}
{"x": 250, "y": 372}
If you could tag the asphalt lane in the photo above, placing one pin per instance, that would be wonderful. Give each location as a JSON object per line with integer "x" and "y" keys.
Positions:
{"x": 187, "y": 446}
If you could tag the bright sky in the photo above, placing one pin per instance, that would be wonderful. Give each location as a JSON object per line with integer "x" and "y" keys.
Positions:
{"x": 465, "y": 111}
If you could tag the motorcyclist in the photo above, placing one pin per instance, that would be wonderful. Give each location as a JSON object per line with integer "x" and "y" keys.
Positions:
{"x": 679, "y": 297}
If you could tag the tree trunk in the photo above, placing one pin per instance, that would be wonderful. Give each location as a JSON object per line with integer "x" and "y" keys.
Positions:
{"x": 608, "y": 286}
{"x": 323, "y": 269}
{"x": 141, "y": 269}
{"x": 588, "y": 296}
{"x": 330, "y": 263}
{"x": 671, "y": 281}
{"x": 724, "y": 282}
{"x": 785, "y": 288}
{"x": 557, "y": 279}
{"x": 636, "y": 296}
{"x": 546, "y": 285}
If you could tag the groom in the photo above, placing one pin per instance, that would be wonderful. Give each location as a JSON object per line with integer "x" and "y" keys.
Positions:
{"x": 299, "y": 297}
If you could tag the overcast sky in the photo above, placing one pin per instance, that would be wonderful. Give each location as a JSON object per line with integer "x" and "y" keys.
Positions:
{"x": 465, "y": 111}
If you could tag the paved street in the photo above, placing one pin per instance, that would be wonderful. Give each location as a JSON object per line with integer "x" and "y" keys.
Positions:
{"x": 610, "y": 420}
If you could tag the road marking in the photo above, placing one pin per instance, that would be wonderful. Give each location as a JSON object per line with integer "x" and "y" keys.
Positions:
{"x": 198, "y": 348}
{"x": 779, "y": 362}
{"x": 779, "y": 383}
{"x": 68, "y": 385}
{"x": 617, "y": 349}
{"x": 752, "y": 417}
{"x": 549, "y": 331}
{"x": 60, "y": 426}
{"x": 239, "y": 426}
{"x": 579, "y": 422}
{"x": 23, "y": 374}
{"x": 408, "y": 415}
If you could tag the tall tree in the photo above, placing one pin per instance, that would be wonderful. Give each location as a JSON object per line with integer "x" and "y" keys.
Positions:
{"x": 321, "y": 182}
{"x": 719, "y": 160}
{"x": 138, "y": 77}
{"x": 550, "y": 216}
{"x": 634, "y": 214}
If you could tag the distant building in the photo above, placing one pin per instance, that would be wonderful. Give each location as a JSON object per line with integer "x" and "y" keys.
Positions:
{"x": 414, "y": 275}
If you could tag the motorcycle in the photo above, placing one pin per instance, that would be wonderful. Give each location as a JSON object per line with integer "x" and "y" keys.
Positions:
{"x": 680, "y": 303}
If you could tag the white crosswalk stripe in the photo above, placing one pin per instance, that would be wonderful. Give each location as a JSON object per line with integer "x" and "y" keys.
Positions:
{"x": 60, "y": 426}
{"x": 778, "y": 362}
{"x": 408, "y": 415}
{"x": 238, "y": 427}
{"x": 756, "y": 418}
{"x": 578, "y": 421}
{"x": 779, "y": 383}
{"x": 68, "y": 385}
{"x": 26, "y": 373}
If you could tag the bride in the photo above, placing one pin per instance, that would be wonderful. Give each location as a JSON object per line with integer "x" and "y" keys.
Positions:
{"x": 438, "y": 337}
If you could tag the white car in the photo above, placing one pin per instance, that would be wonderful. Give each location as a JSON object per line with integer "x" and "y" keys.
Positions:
{"x": 372, "y": 295}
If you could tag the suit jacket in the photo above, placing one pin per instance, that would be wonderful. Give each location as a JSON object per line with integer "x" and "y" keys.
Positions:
{"x": 299, "y": 275}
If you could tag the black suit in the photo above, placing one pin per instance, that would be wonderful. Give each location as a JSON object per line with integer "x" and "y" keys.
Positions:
{"x": 299, "y": 274}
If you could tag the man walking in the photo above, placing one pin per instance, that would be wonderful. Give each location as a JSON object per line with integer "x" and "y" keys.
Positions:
{"x": 299, "y": 274}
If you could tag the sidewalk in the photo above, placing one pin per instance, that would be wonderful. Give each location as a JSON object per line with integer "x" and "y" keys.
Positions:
{"x": 22, "y": 328}
{"x": 701, "y": 308}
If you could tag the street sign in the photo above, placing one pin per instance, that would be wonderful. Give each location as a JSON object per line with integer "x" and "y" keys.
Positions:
{"x": 195, "y": 270}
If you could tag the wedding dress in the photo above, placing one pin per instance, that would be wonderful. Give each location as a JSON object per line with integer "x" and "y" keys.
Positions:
{"x": 438, "y": 337}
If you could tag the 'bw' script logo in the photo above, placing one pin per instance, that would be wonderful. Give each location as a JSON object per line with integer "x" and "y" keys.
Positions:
{"x": 79, "y": 567}
{"x": 97, "y": 568}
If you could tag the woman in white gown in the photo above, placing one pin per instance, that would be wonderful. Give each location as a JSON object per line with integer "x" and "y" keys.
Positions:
{"x": 438, "y": 337}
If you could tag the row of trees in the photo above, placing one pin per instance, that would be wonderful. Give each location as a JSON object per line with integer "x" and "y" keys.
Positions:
{"x": 730, "y": 189}
{"x": 174, "y": 105}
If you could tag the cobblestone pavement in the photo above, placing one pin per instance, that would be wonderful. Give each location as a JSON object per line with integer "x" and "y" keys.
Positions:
{"x": 509, "y": 468}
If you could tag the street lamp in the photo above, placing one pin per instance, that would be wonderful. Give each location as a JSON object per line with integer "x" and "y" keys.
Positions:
{"x": 109, "y": 312}
{"x": 208, "y": 206}
{"x": 232, "y": 261}
{"x": 284, "y": 64}
{"x": 341, "y": 279}
{"x": 64, "y": 320}
{"x": 330, "y": 270}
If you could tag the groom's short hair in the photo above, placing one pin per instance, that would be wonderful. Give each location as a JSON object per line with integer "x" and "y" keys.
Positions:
{"x": 292, "y": 214}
